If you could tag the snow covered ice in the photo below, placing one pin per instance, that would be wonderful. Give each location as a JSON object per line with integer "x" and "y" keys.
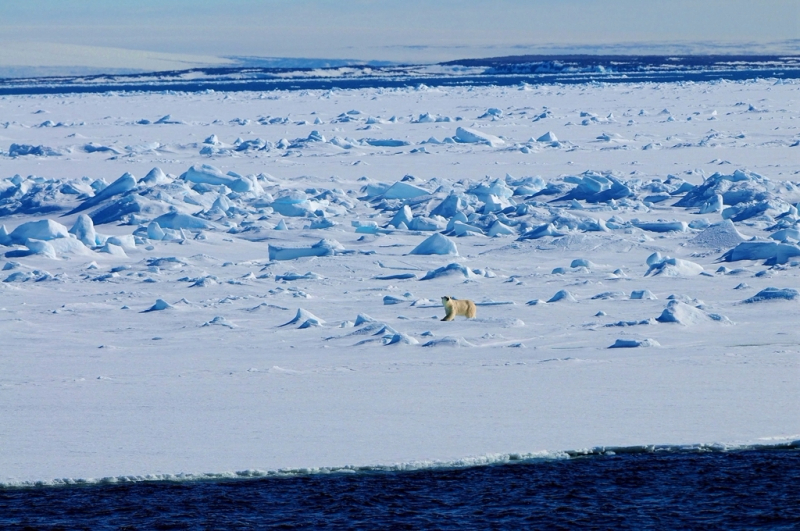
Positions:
{"x": 186, "y": 279}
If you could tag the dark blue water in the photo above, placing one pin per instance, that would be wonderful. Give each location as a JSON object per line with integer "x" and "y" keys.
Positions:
{"x": 500, "y": 71}
{"x": 669, "y": 490}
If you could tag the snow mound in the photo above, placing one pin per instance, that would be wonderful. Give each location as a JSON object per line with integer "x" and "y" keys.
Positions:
{"x": 448, "y": 341}
{"x": 643, "y": 294}
{"x": 661, "y": 226}
{"x": 453, "y": 269}
{"x": 682, "y": 313}
{"x": 582, "y": 262}
{"x": 773, "y": 294}
{"x": 219, "y": 321}
{"x": 400, "y": 339}
{"x": 610, "y": 295}
{"x": 674, "y": 267}
{"x": 635, "y": 343}
{"x": 436, "y": 244}
{"x": 563, "y": 295}
{"x": 723, "y": 234}
{"x": 160, "y": 305}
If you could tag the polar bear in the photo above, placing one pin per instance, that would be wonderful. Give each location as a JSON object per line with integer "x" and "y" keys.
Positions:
{"x": 455, "y": 307}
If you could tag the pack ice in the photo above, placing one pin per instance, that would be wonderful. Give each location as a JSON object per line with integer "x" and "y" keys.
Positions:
{"x": 188, "y": 279}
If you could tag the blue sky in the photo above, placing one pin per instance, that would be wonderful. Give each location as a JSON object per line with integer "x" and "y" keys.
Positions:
{"x": 406, "y": 31}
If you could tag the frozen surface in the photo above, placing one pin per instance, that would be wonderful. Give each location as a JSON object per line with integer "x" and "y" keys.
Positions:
{"x": 220, "y": 282}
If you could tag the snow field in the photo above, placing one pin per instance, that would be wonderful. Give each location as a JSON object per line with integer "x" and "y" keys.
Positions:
{"x": 176, "y": 305}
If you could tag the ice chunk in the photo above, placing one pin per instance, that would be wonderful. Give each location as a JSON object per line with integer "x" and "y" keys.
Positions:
{"x": 436, "y": 244}
{"x": 449, "y": 206}
{"x": 126, "y": 241}
{"x": 128, "y": 205}
{"x": 384, "y": 142}
{"x": 401, "y": 190}
{"x": 593, "y": 187}
{"x": 160, "y": 305}
{"x": 541, "y": 231}
{"x": 290, "y": 276}
{"x": 713, "y": 205}
{"x": 45, "y": 229}
{"x": 155, "y": 232}
{"x": 204, "y": 173}
{"x": 499, "y": 229}
{"x": 635, "y": 343}
{"x": 643, "y": 294}
{"x": 563, "y": 295}
{"x": 324, "y": 247}
{"x": 471, "y": 136}
{"x": 773, "y": 294}
{"x": 83, "y": 229}
{"x": 784, "y": 235}
{"x": 449, "y": 270}
{"x": 548, "y": 137}
{"x": 176, "y": 220}
{"x": 114, "y": 250}
{"x": 155, "y": 177}
{"x": 661, "y": 226}
{"x": 306, "y": 319}
{"x": 425, "y": 223}
{"x": 464, "y": 229}
{"x": 610, "y": 295}
{"x": 582, "y": 262}
{"x": 400, "y": 339}
{"x": 771, "y": 252}
{"x": 41, "y": 247}
{"x": 124, "y": 184}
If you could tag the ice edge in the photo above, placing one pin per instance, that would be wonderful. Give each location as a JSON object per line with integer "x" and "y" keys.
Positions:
{"x": 466, "y": 462}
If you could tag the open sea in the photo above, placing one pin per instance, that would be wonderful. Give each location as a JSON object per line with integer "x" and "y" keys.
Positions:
{"x": 500, "y": 71}
{"x": 684, "y": 489}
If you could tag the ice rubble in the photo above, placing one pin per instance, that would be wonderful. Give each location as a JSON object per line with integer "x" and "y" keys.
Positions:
{"x": 203, "y": 198}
